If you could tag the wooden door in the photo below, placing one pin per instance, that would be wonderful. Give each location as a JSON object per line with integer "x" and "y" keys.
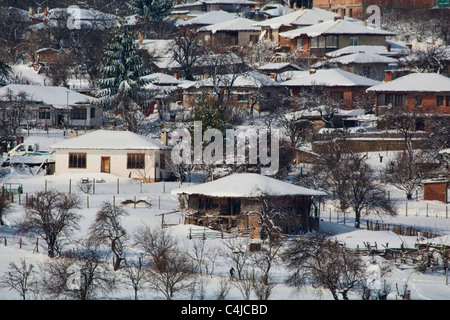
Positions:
{"x": 105, "y": 165}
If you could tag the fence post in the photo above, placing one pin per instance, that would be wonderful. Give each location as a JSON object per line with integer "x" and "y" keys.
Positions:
{"x": 87, "y": 201}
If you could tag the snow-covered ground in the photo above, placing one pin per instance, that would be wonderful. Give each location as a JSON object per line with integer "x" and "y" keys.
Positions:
{"x": 427, "y": 286}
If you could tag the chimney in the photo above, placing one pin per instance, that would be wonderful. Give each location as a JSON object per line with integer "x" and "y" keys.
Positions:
{"x": 45, "y": 11}
{"x": 273, "y": 76}
{"x": 141, "y": 38}
{"x": 388, "y": 47}
{"x": 388, "y": 76}
{"x": 30, "y": 11}
{"x": 176, "y": 75}
{"x": 409, "y": 46}
{"x": 312, "y": 71}
{"x": 164, "y": 137}
{"x": 320, "y": 21}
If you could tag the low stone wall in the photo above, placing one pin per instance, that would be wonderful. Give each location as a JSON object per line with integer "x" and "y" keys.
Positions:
{"x": 365, "y": 145}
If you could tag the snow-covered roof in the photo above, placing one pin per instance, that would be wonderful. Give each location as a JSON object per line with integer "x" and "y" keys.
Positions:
{"x": 110, "y": 140}
{"x": 251, "y": 79}
{"x": 247, "y": 185}
{"x": 279, "y": 66}
{"x": 58, "y": 97}
{"x": 415, "y": 82}
{"x": 357, "y": 58}
{"x": 161, "y": 79}
{"x": 236, "y": 24}
{"x": 331, "y": 78}
{"x": 332, "y": 27}
{"x": 380, "y": 50}
{"x": 81, "y": 18}
{"x": 209, "y": 18}
{"x": 303, "y": 17}
{"x": 159, "y": 50}
{"x": 233, "y": 2}
{"x": 275, "y": 9}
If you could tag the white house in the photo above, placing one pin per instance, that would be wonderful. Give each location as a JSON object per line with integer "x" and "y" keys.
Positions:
{"x": 56, "y": 106}
{"x": 120, "y": 153}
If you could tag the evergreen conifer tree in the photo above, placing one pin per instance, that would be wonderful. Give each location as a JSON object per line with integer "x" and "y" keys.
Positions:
{"x": 120, "y": 84}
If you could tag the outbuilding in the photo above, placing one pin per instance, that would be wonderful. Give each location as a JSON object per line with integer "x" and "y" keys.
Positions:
{"x": 249, "y": 200}
{"x": 120, "y": 153}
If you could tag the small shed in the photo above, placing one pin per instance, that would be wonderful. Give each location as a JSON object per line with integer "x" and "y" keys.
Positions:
{"x": 436, "y": 189}
{"x": 241, "y": 200}
{"x": 121, "y": 153}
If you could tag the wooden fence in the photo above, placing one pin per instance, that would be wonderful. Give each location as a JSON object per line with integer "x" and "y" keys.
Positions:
{"x": 401, "y": 229}
{"x": 207, "y": 233}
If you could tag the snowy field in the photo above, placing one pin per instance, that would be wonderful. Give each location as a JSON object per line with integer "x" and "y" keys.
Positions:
{"x": 428, "y": 215}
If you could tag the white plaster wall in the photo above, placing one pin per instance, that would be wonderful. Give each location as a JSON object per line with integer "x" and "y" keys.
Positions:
{"x": 118, "y": 164}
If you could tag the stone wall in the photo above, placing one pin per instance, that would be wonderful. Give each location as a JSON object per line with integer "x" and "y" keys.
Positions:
{"x": 365, "y": 145}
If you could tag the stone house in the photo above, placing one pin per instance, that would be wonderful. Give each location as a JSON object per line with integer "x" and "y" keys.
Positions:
{"x": 236, "y": 201}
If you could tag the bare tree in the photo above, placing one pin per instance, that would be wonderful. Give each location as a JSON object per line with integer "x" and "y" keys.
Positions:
{"x": 352, "y": 180}
{"x": 107, "y": 229}
{"x": 4, "y": 206}
{"x": 169, "y": 268}
{"x": 81, "y": 275}
{"x": 223, "y": 288}
{"x": 13, "y": 113}
{"x": 22, "y": 279}
{"x": 324, "y": 264}
{"x": 135, "y": 274}
{"x": 50, "y": 215}
{"x": 261, "y": 288}
{"x": 402, "y": 119}
{"x": 245, "y": 284}
{"x": 187, "y": 51}
{"x": 407, "y": 173}
{"x": 237, "y": 253}
{"x": 266, "y": 258}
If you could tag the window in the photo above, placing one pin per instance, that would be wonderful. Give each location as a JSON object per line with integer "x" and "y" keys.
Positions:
{"x": 439, "y": 101}
{"x": 447, "y": 101}
{"x": 354, "y": 41}
{"x": 418, "y": 100}
{"x": 366, "y": 71}
{"x": 92, "y": 113}
{"x": 398, "y": 100}
{"x": 44, "y": 114}
{"x": 77, "y": 160}
{"x": 318, "y": 42}
{"x": 135, "y": 161}
{"x": 79, "y": 114}
{"x": 242, "y": 97}
{"x": 331, "y": 42}
{"x": 337, "y": 95}
{"x": 387, "y": 99}
{"x": 253, "y": 38}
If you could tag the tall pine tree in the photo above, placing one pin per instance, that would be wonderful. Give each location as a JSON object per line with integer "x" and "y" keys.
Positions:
{"x": 120, "y": 84}
{"x": 151, "y": 10}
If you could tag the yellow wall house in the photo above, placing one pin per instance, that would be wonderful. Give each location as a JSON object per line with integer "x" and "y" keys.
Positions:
{"x": 120, "y": 153}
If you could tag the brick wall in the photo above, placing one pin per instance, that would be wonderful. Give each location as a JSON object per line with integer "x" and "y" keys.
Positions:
{"x": 435, "y": 191}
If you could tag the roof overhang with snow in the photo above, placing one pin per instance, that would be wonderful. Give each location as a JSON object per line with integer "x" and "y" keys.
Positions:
{"x": 110, "y": 140}
{"x": 247, "y": 185}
